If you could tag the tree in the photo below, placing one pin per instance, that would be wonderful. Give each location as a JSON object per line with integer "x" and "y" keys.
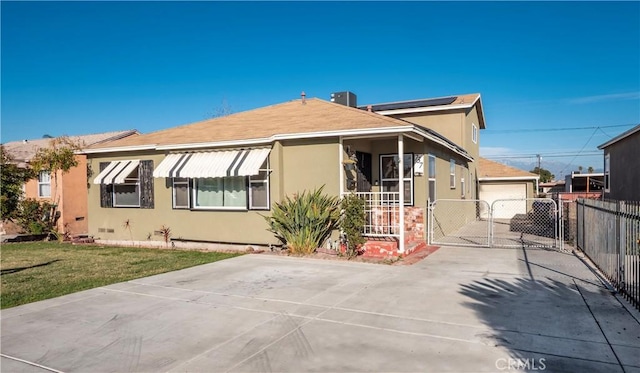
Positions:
{"x": 590, "y": 169}
{"x": 545, "y": 175}
{"x": 58, "y": 156}
{"x": 13, "y": 177}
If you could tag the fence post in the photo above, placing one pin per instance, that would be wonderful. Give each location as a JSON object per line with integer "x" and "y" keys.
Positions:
{"x": 621, "y": 242}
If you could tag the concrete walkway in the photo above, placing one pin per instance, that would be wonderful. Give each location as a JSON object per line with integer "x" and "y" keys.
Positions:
{"x": 458, "y": 310}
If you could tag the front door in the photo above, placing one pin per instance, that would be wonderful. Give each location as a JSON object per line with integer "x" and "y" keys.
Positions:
{"x": 364, "y": 170}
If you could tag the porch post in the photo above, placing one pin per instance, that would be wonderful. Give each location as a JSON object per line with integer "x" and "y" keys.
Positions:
{"x": 340, "y": 165}
{"x": 401, "y": 190}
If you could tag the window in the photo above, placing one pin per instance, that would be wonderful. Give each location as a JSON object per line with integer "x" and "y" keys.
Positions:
{"x": 452, "y": 174}
{"x": 127, "y": 194}
{"x": 181, "y": 198}
{"x": 126, "y": 184}
{"x": 432, "y": 178}
{"x": 390, "y": 175}
{"x": 474, "y": 133}
{"x": 44, "y": 184}
{"x": 259, "y": 189}
{"x": 221, "y": 192}
{"x": 607, "y": 172}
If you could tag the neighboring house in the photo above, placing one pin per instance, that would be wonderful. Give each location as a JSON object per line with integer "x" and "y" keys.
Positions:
{"x": 71, "y": 186}
{"x": 214, "y": 181}
{"x": 501, "y": 182}
{"x": 622, "y": 166}
{"x": 579, "y": 185}
{"x": 552, "y": 187}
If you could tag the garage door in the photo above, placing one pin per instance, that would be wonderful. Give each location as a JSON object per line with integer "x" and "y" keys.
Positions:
{"x": 493, "y": 192}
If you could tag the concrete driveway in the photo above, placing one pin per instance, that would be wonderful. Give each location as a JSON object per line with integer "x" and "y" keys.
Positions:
{"x": 458, "y": 310}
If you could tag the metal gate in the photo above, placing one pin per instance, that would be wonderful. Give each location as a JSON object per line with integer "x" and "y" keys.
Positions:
{"x": 529, "y": 222}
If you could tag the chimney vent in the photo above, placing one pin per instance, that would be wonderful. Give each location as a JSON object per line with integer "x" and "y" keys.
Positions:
{"x": 344, "y": 98}
{"x": 304, "y": 97}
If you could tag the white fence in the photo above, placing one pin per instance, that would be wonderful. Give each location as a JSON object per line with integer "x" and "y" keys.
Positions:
{"x": 382, "y": 213}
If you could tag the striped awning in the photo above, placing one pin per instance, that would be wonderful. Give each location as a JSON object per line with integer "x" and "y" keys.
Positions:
{"x": 116, "y": 172}
{"x": 225, "y": 163}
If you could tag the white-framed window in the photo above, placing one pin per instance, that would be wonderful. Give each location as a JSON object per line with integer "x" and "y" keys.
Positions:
{"x": 390, "y": 175}
{"x": 220, "y": 193}
{"x": 607, "y": 172}
{"x": 127, "y": 194}
{"x": 181, "y": 195}
{"x": 44, "y": 184}
{"x": 224, "y": 193}
{"x": 259, "y": 189}
{"x": 432, "y": 177}
{"x": 474, "y": 133}
{"x": 452, "y": 173}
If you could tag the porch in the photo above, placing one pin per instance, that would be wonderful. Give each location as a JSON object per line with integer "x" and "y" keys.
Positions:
{"x": 382, "y": 225}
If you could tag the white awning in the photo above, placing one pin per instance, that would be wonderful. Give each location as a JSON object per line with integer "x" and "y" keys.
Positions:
{"x": 116, "y": 172}
{"x": 225, "y": 163}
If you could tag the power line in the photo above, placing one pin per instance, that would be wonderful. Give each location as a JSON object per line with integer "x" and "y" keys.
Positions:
{"x": 542, "y": 155}
{"x": 490, "y": 131}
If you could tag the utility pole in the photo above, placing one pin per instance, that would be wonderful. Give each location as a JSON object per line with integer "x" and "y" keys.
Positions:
{"x": 539, "y": 158}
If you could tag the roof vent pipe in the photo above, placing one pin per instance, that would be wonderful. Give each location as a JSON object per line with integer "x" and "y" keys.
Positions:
{"x": 304, "y": 97}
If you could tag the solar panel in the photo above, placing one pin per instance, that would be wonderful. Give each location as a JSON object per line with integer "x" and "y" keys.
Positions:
{"x": 415, "y": 104}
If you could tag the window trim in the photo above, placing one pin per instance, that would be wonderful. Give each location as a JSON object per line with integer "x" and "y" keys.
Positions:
{"x": 265, "y": 181}
{"x": 410, "y": 178}
{"x": 452, "y": 173}
{"x": 183, "y": 181}
{"x": 194, "y": 191}
{"x": 40, "y": 183}
{"x": 607, "y": 173}
{"x": 474, "y": 133}
{"x": 113, "y": 191}
{"x": 432, "y": 176}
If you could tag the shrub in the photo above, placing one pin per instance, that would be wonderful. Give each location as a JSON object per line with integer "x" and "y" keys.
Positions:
{"x": 36, "y": 217}
{"x": 303, "y": 222}
{"x": 352, "y": 222}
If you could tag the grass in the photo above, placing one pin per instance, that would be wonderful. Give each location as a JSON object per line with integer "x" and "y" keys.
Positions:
{"x": 42, "y": 270}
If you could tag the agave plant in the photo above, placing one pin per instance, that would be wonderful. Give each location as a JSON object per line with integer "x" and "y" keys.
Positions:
{"x": 303, "y": 222}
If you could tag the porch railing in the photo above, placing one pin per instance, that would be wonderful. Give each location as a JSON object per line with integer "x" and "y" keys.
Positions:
{"x": 382, "y": 213}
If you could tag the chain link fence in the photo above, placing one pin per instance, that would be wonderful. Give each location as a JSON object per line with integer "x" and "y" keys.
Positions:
{"x": 533, "y": 222}
{"x": 459, "y": 222}
{"x": 530, "y": 222}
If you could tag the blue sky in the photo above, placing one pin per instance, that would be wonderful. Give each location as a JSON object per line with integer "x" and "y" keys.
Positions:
{"x": 85, "y": 67}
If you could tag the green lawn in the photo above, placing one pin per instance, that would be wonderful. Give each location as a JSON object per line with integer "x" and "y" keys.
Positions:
{"x": 41, "y": 270}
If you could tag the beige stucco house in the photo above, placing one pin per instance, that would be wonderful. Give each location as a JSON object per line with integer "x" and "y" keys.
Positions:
{"x": 213, "y": 181}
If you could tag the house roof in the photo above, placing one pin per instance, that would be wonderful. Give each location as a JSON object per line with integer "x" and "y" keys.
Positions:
{"x": 490, "y": 170}
{"x": 620, "y": 137}
{"x": 430, "y": 104}
{"x": 290, "y": 120}
{"x": 23, "y": 151}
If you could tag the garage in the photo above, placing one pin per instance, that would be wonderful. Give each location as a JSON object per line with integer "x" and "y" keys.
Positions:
{"x": 504, "y": 209}
{"x": 497, "y": 181}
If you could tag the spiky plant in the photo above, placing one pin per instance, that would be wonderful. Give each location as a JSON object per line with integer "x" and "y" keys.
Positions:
{"x": 303, "y": 222}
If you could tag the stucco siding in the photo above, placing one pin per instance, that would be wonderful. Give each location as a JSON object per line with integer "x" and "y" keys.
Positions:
{"x": 296, "y": 166}
{"x": 449, "y": 125}
{"x": 625, "y": 163}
